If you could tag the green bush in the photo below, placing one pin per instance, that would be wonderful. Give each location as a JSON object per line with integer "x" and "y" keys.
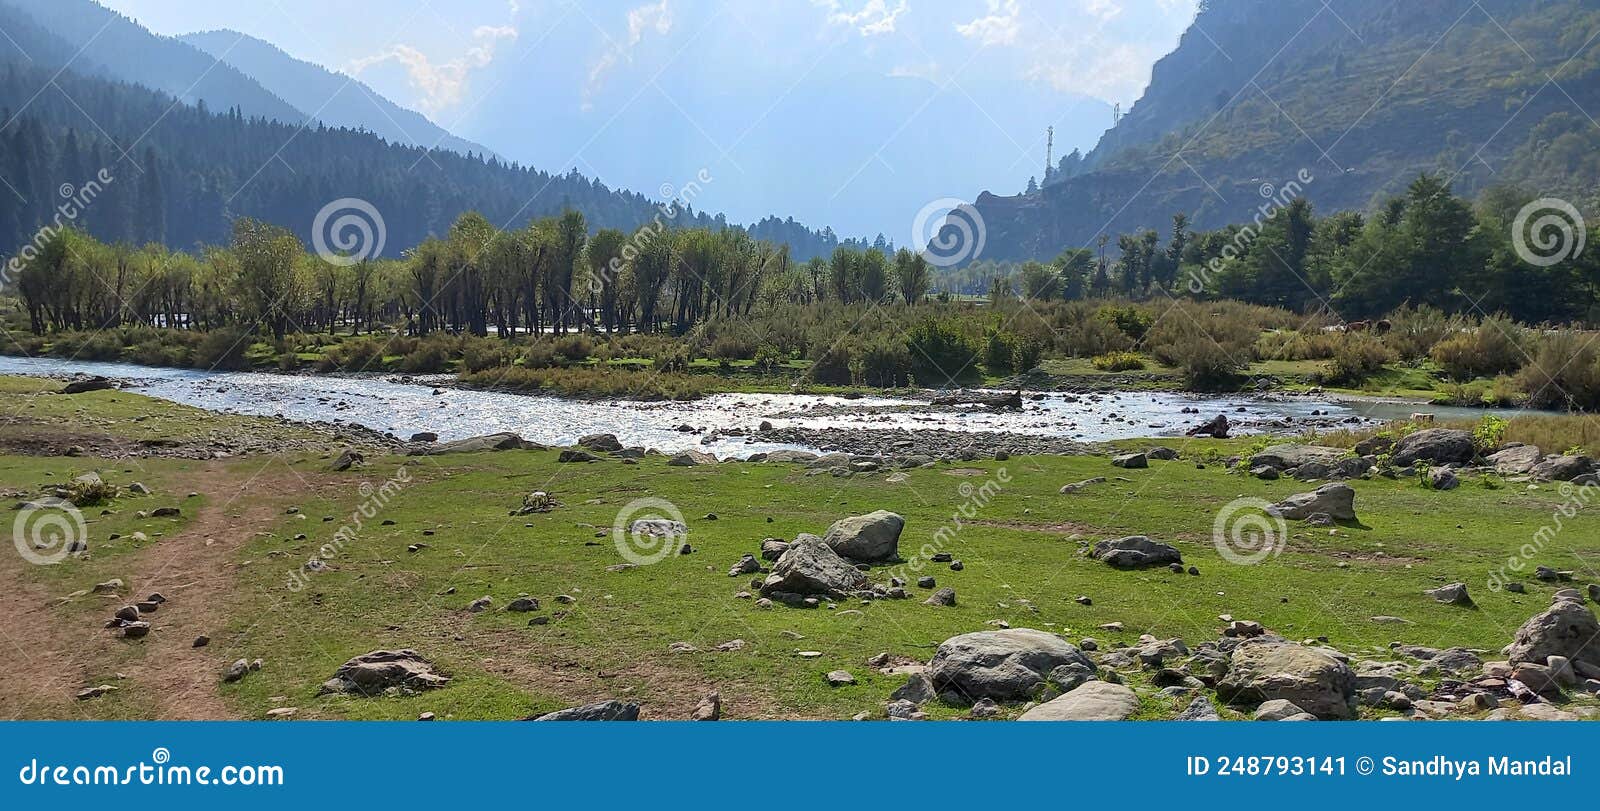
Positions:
{"x": 1494, "y": 347}
{"x": 1356, "y": 358}
{"x": 940, "y": 354}
{"x": 1118, "y": 362}
{"x": 223, "y": 348}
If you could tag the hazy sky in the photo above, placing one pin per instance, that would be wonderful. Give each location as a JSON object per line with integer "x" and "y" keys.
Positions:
{"x": 442, "y": 50}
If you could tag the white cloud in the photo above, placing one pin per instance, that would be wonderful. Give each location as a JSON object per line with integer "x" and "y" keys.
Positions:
{"x": 644, "y": 19}
{"x": 999, "y": 27}
{"x": 443, "y": 85}
{"x": 873, "y": 19}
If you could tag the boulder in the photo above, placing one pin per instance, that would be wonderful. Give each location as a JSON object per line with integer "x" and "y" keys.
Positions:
{"x": 1217, "y": 428}
{"x": 943, "y": 597}
{"x": 1562, "y": 468}
{"x": 810, "y": 566}
{"x": 1293, "y": 455}
{"x": 491, "y": 442}
{"x": 871, "y": 537}
{"x": 1453, "y": 594}
{"x": 86, "y": 385}
{"x": 424, "y": 436}
{"x": 691, "y": 458}
{"x": 791, "y": 457}
{"x": 348, "y": 458}
{"x": 1515, "y": 460}
{"x": 1162, "y": 453}
{"x": 1337, "y": 500}
{"x": 772, "y": 548}
{"x": 1004, "y": 665}
{"x": 1131, "y": 461}
{"x": 1443, "y": 478}
{"x": 1439, "y": 446}
{"x": 604, "y": 711}
{"x": 1277, "y": 709}
{"x": 1090, "y": 701}
{"x": 1566, "y": 628}
{"x": 600, "y": 443}
{"x": 1200, "y": 709}
{"x": 1311, "y": 678}
{"x": 1135, "y": 552}
{"x": 372, "y": 673}
{"x": 571, "y": 456}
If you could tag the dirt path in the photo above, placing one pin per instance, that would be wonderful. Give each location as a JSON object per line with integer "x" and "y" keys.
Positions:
{"x": 195, "y": 569}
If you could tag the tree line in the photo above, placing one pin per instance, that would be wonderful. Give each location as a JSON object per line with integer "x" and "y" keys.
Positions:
{"x": 1426, "y": 247}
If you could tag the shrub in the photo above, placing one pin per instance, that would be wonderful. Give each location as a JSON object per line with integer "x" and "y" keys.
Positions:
{"x": 359, "y": 355}
{"x": 1564, "y": 373}
{"x": 831, "y": 366}
{"x": 769, "y": 358}
{"x": 999, "y": 352}
{"x": 1210, "y": 350}
{"x": 1495, "y": 347}
{"x": 1129, "y": 319}
{"x": 1118, "y": 362}
{"x": 883, "y": 364}
{"x": 940, "y": 354}
{"x": 479, "y": 354}
{"x": 540, "y": 355}
{"x": 572, "y": 349}
{"x": 1357, "y": 358}
{"x": 729, "y": 347}
{"x": 223, "y": 348}
{"x": 671, "y": 359}
{"x": 1026, "y": 355}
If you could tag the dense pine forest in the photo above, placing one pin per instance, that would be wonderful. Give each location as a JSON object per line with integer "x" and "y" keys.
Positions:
{"x": 183, "y": 173}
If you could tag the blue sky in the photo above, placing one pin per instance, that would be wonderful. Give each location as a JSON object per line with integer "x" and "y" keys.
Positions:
{"x": 642, "y": 93}
{"x": 1100, "y": 48}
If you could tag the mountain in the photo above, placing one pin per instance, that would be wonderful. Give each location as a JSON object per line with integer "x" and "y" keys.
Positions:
{"x": 180, "y": 174}
{"x": 1360, "y": 95}
{"x": 115, "y": 47}
{"x": 333, "y": 98}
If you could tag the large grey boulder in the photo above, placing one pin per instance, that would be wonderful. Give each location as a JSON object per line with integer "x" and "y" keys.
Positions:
{"x": 491, "y": 442}
{"x": 86, "y": 385}
{"x": 791, "y": 457}
{"x": 1293, "y": 455}
{"x": 373, "y": 673}
{"x": 1310, "y": 678}
{"x": 1003, "y": 665}
{"x": 1439, "y": 446}
{"x": 1562, "y": 468}
{"x": 809, "y": 566}
{"x": 1515, "y": 460}
{"x": 1090, "y": 701}
{"x": 601, "y": 443}
{"x": 604, "y": 711}
{"x": 1135, "y": 552}
{"x": 691, "y": 458}
{"x": 871, "y": 537}
{"x": 1337, "y": 500}
{"x": 1567, "y": 628}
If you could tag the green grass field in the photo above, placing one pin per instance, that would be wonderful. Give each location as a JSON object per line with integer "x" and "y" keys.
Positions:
{"x": 1021, "y": 550}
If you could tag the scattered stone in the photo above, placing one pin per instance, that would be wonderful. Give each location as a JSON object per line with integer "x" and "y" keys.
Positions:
{"x": 839, "y": 678}
{"x": 523, "y": 605}
{"x": 1336, "y": 499}
{"x": 1453, "y": 594}
{"x": 236, "y": 671}
{"x": 95, "y": 692}
{"x": 1091, "y": 701}
{"x": 1130, "y": 461}
{"x": 1438, "y": 446}
{"x": 871, "y": 537}
{"x": 1004, "y": 665}
{"x": 943, "y": 597}
{"x": 372, "y": 673}
{"x": 810, "y": 566}
{"x": 480, "y": 605}
{"x": 709, "y": 708}
{"x": 1135, "y": 552}
{"x": 1311, "y": 678}
{"x": 1200, "y": 709}
{"x": 604, "y": 711}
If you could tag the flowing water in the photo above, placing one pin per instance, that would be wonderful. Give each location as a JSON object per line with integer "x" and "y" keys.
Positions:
{"x": 388, "y": 405}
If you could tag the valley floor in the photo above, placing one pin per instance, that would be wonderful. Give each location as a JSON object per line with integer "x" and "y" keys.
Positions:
{"x": 408, "y": 543}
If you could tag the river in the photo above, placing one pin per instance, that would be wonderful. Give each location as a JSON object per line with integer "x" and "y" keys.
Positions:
{"x": 386, "y": 404}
